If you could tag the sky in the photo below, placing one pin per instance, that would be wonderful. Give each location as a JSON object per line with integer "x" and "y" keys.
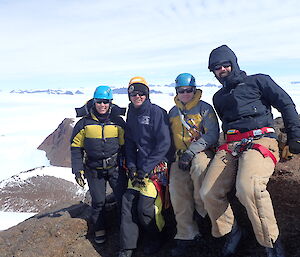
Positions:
{"x": 72, "y": 43}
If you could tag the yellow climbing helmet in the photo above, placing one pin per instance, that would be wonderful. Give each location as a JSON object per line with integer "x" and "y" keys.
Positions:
{"x": 139, "y": 80}
{"x": 138, "y": 84}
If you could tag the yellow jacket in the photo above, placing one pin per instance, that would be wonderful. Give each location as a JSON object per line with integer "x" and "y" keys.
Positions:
{"x": 202, "y": 116}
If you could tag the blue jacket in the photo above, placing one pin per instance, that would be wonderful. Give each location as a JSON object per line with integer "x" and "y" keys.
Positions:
{"x": 147, "y": 136}
{"x": 244, "y": 102}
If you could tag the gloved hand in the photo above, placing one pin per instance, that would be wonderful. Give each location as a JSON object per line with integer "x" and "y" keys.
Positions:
{"x": 185, "y": 159}
{"x": 286, "y": 154}
{"x": 132, "y": 173}
{"x": 294, "y": 147}
{"x": 138, "y": 180}
{"x": 80, "y": 178}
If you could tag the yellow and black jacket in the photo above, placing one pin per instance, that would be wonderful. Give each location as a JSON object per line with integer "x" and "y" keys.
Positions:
{"x": 202, "y": 115}
{"x": 94, "y": 140}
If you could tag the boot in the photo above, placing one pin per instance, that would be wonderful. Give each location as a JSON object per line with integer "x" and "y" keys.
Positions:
{"x": 100, "y": 237}
{"x": 125, "y": 253}
{"x": 152, "y": 246}
{"x": 232, "y": 241}
{"x": 276, "y": 251}
{"x": 183, "y": 246}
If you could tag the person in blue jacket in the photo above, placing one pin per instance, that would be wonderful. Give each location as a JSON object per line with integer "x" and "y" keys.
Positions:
{"x": 249, "y": 154}
{"x": 147, "y": 142}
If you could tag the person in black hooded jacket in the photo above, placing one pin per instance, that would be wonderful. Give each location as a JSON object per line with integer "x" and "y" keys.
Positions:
{"x": 97, "y": 147}
{"x": 250, "y": 152}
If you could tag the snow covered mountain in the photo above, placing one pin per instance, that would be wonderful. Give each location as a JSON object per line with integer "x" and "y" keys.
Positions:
{"x": 39, "y": 188}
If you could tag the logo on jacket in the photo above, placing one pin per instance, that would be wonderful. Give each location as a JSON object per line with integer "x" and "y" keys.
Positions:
{"x": 144, "y": 120}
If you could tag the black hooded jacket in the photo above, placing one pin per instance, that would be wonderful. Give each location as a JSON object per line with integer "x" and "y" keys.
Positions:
{"x": 244, "y": 102}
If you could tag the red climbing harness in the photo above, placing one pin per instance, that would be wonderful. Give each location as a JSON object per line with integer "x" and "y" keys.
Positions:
{"x": 246, "y": 143}
{"x": 235, "y": 135}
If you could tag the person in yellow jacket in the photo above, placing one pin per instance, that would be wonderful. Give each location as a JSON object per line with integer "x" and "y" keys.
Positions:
{"x": 195, "y": 130}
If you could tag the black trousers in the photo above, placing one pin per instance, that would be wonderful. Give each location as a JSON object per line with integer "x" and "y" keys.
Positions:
{"x": 137, "y": 210}
{"x": 97, "y": 185}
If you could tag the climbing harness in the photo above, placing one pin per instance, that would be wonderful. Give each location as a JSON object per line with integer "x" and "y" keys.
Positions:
{"x": 245, "y": 142}
{"x": 190, "y": 125}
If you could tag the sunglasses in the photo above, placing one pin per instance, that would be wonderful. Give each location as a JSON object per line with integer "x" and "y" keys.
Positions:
{"x": 185, "y": 90}
{"x": 219, "y": 66}
{"x": 135, "y": 93}
{"x": 100, "y": 101}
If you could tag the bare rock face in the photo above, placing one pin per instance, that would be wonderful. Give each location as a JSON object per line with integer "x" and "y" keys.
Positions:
{"x": 57, "y": 144}
{"x": 63, "y": 230}
{"x": 58, "y": 233}
{"x": 37, "y": 193}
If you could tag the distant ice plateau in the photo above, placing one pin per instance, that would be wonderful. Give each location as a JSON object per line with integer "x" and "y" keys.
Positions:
{"x": 121, "y": 90}
{"x": 47, "y": 91}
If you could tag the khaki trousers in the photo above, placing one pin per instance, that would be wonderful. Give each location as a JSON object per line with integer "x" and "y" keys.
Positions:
{"x": 250, "y": 173}
{"x": 184, "y": 193}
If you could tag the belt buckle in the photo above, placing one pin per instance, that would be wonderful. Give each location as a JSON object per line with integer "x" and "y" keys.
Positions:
{"x": 180, "y": 152}
{"x": 104, "y": 164}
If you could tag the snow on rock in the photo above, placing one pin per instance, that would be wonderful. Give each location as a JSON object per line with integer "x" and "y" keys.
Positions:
{"x": 36, "y": 189}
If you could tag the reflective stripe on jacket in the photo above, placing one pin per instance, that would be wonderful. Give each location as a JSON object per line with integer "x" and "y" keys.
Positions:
{"x": 95, "y": 141}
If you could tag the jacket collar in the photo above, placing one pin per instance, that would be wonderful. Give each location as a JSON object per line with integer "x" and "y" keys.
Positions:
{"x": 142, "y": 108}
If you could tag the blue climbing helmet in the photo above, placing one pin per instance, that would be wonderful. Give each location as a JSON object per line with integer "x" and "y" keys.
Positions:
{"x": 103, "y": 92}
{"x": 185, "y": 80}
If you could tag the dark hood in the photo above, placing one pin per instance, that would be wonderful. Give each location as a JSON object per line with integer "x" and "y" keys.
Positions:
{"x": 224, "y": 54}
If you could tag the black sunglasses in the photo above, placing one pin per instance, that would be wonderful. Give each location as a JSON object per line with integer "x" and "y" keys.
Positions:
{"x": 224, "y": 64}
{"x": 185, "y": 90}
{"x": 105, "y": 101}
{"x": 135, "y": 93}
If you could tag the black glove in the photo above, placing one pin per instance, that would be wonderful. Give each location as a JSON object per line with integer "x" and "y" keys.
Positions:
{"x": 185, "y": 159}
{"x": 138, "y": 180}
{"x": 132, "y": 173}
{"x": 294, "y": 147}
{"x": 80, "y": 178}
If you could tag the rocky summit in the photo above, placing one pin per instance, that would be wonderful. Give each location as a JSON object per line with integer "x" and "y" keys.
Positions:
{"x": 64, "y": 230}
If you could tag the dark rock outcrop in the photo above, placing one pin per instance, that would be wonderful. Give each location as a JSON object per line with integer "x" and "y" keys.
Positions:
{"x": 57, "y": 144}
{"x": 55, "y": 233}
{"x": 37, "y": 193}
